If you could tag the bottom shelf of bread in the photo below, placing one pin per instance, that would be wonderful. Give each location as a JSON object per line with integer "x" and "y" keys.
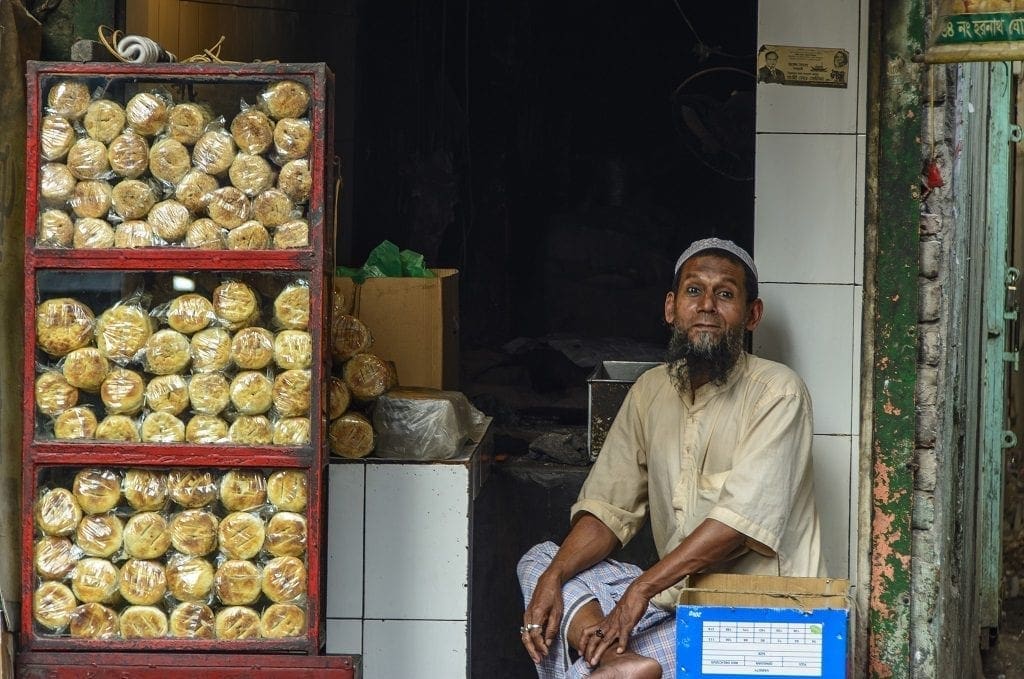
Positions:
{"x": 169, "y": 557}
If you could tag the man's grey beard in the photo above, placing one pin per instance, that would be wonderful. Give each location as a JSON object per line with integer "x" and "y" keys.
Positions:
{"x": 708, "y": 357}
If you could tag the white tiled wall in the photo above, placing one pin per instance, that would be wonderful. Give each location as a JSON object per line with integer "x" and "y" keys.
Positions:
{"x": 808, "y": 243}
{"x": 414, "y": 648}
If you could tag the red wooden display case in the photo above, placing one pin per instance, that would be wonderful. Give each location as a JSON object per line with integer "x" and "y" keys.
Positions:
{"x": 105, "y": 276}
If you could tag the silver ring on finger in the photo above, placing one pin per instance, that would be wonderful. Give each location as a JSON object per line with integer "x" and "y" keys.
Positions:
{"x": 599, "y": 633}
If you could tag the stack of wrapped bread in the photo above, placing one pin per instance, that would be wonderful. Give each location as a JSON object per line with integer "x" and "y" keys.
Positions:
{"x": 185, "y": 553}
{"x": 228, "y": 367}
{"x": 152, "y": 172}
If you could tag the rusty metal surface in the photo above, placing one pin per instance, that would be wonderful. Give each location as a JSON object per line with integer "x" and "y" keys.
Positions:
{"x": 163, "y": 666}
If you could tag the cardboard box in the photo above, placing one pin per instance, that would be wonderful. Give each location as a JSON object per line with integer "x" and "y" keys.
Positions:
{"x": 414, "y": 322}
{"x": 732, "y": 626}
{"x": 607, "y": 387}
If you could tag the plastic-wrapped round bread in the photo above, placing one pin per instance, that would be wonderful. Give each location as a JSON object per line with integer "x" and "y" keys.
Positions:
{"x": 251, "y": 235}
{"x": 272, "y": 207}
{"x": 368, "y": 376}
{"x": 128, "y": 155}
{"x": 143, "y": 622}
{"x": 252, "y": 131}
{"x": 190, "y": 313}
{"x": 53, "y": 604}
{"x": 147, "y": 113}
{"x": 56, "y": 183}
{"x": 194, "y": 532}
{"x": 142, "y": 582}
{"x": 162, "y": 428}
{"x": 92, "y": 234}
{"x": 55, "y": 557}
{"x": 87, "y": 159}
{"x": 285, "y": 99}
{"x": 168, "y": 394}
{"x": 292, "y": 393}
{"x": 282, "y": 620}
{"x": 64, "y": 325}
{"x": 291, "y": 307}
{"x": 214, "y": 152}
{"x": 296, "y": 180}
{"x": 75, "y": 423}
{"x": 104, "y": 120}
{"x": 286, "y": 490}
{"x": 338, "y": 398}
{"x": 252, "y": 348}
{"x": 291, "y": 431}
{"x": 100, "y": 535}
{"x": 170, "y": 220}
{"x": 286, "y": 534}
{"x": 145, "y": 490}
{"x": 96, "y": 490}
{"x": 94, "y": 580}
{"x": 169, "y": 160}
{"x": 186, "y": 122}
{"x": 91, "y": 198}
{"x": 252, "y": 392}
{"x": 291, "y": 235}
{"x": 206, "y": 234}
{"x": 206, "y": 429}
{"x": 237, "y": 582}
{"x": 292, "y": 139}
{"x": 237, "y": 623}
{"x": 251, "y": 174}
{"x": 69, "y": 98}
{"x": 192, "y": 620}
{"x": 210, "y": 350}
{"x": 293, "y": 349}
{"x": 118, "y": 428}
{"x": 240, "y": 535}
{"x": 251, "y": 430}
{"x": 209, "y": 393}
{"x": 228, "y": 206}
{"x": 94, "y": 621}
{"x": 284, "y": 579}
{"x": 189, "y": 578}
{"x": 349, "y": 336}
{"x": 146, "y": 535}
{"x": 85, "y": 368}
{"x": 57, "y": 135}
{"x": 191, "y": 488}
{"x": 351, "y": 436}
{"x": 243, "y": 490}
{"x": 53, "y": 393}
{"x": 55, "y": 229}
{"x": 123, "y": 392}
{"x": 135, "y": 233}
{"x": 194, "y": 189}
{"x": 236, "y": 305}
{"x": 167, "y": 352}
{"x": 132, "y": 199}
{"x": 122, "y": 332}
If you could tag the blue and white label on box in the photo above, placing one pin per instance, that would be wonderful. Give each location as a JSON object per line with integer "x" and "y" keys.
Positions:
{"x": 727, "y": 642}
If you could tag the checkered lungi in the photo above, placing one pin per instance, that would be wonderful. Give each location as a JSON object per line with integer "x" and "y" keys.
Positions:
{"x": 654, "y": 635}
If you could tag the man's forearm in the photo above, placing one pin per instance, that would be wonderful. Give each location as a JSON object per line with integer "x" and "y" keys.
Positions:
{"x": 588, "y": 542}
{"x": 710, "y": 543}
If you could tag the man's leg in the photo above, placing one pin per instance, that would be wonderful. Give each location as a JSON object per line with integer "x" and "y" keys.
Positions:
{"x": 595, "y": 590}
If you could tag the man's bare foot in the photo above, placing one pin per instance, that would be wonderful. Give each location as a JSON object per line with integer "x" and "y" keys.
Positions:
{"x": 628, "y": 665}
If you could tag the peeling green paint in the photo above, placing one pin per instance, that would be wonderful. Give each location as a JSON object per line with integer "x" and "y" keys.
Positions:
{"x": 901, "y": 29}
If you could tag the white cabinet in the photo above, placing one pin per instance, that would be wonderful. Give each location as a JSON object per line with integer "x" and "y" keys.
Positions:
{"x": 399, "y": 562}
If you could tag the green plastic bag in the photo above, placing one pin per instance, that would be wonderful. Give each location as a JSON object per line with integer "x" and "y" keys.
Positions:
{"x": 386, "y": 261}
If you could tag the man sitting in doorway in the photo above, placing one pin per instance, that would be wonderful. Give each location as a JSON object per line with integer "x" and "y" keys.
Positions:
{"x": 716, "y": 447}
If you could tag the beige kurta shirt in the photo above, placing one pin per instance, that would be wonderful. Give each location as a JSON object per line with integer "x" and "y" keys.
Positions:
{"x": 739, "y": 453}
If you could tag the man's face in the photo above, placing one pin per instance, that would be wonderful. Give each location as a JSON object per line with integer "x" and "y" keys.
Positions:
{"x": 711, "y": 301}
{"x": 771, "y": 60}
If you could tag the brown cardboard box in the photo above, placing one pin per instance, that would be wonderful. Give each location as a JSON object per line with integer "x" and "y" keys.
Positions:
{"x": 414, "y": 322}
{"x": 726, "y": 589}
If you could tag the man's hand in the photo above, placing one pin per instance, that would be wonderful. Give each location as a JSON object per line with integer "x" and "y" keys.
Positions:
{"x": 542, "y": 617}
{"x": 615, "y": 629}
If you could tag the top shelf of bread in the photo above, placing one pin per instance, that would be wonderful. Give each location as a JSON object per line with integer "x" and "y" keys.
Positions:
{"x": 175, "y": 157}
